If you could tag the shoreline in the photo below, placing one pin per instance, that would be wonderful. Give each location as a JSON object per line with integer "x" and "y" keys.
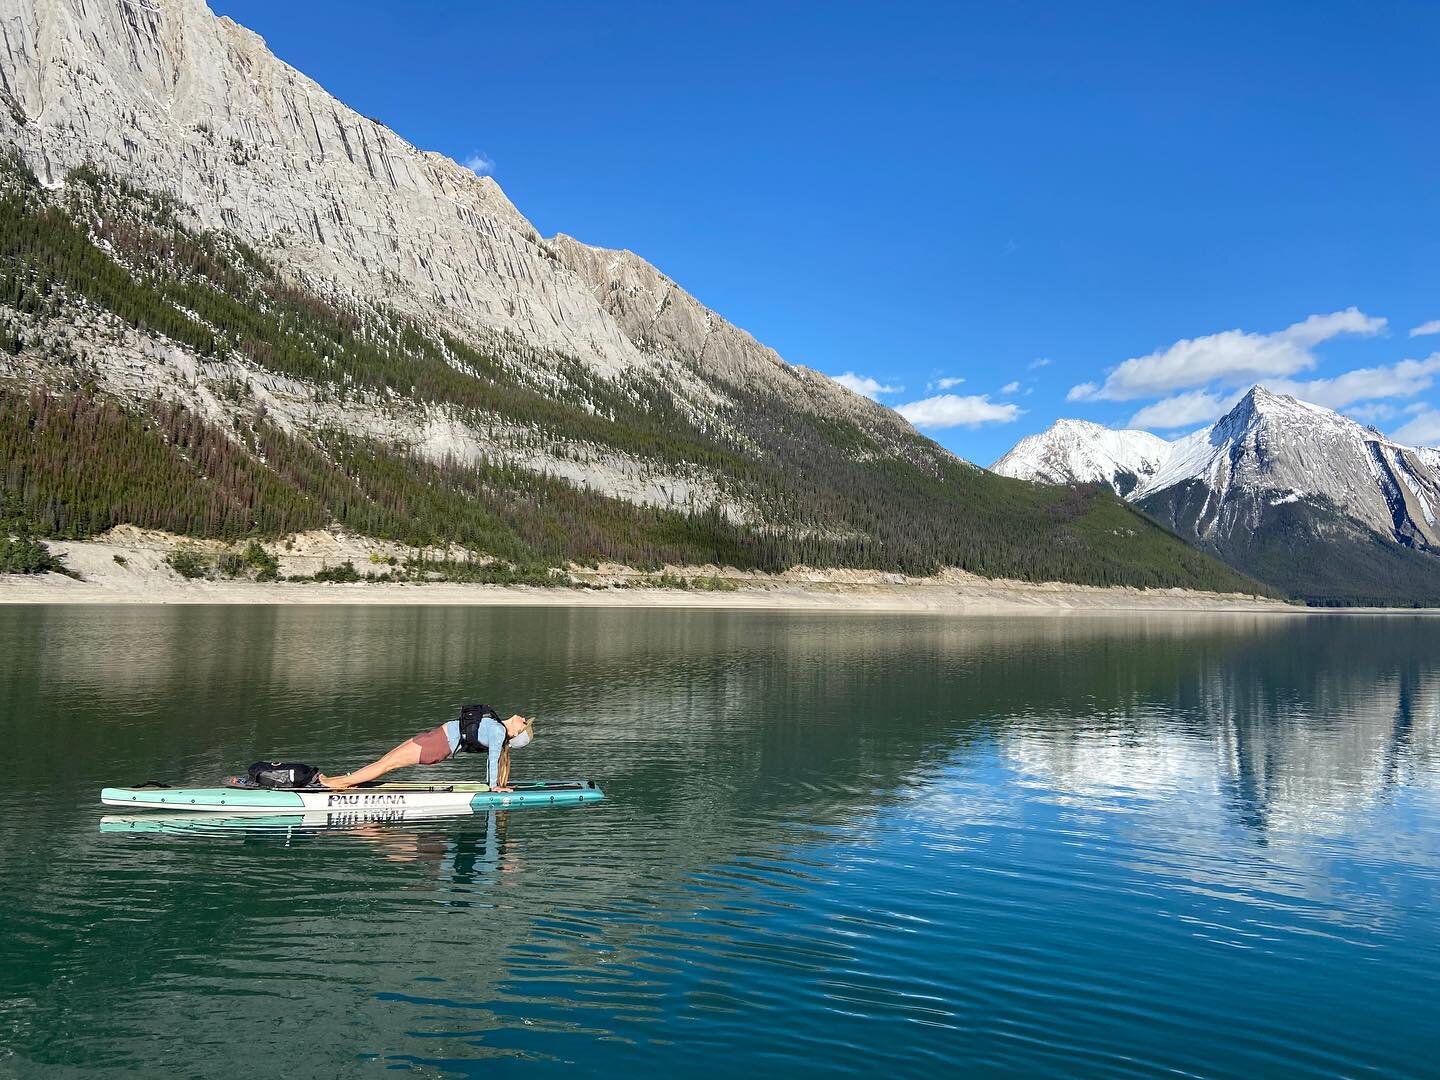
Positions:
{"x": 129, "y": 566}
{"x": 990, "y": 598}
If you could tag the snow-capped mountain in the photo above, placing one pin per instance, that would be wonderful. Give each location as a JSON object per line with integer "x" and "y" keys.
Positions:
{"x": 1308, "y": 500}
{"x": 1079, "y": 452}
{"x": 1272, "y": 449}
{"x": 1291, "y": 492}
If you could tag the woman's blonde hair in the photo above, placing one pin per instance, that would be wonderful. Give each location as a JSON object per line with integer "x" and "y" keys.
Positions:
{"x": 502, "y": 772}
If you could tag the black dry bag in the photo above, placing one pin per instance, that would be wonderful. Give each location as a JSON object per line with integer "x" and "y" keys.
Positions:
{"x": 282, "y": 774}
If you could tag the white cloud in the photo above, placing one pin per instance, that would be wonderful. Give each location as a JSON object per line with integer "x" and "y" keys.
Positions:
{"x": 952, "y": 410}
{"x": 1010, "y": 388}
{"x": 1423, "y": 430}
{"x": 1362, "y": 385}
{"x": 1039, "y": 362}
{"x": 1184, "y": 410}
{"x": 864, "y": 385}
{"x": 479, "y": 164}
{"x": 1404, "y": 379}
{"x": 1230, "y": 358}
{"x": 948, "y": 383}
{"x": 1318, "y": 328}
{"x": 1431, "y": 327}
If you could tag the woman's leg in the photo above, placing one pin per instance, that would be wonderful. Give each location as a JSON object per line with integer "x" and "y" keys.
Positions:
{"x": 406, "y": 754}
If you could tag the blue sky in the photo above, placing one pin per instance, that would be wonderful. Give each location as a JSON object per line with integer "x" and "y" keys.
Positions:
{"x": 1124, "y": 212}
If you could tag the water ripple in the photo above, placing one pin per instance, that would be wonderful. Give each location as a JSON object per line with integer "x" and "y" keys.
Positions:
{"x": 831, "y": 846}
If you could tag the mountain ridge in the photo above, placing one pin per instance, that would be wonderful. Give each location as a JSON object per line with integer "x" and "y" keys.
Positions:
{"x": 205, "y": 112}
{"x": 282, "y": 315}
{"x": 1298, "y": 495}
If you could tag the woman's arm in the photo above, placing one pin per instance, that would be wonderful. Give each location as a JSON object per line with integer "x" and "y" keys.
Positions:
{"x": 497, "y": 763}
{"x": 492, "y": 763}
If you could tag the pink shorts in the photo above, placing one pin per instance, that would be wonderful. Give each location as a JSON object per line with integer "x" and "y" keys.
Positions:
{"x": 434, "y": 745}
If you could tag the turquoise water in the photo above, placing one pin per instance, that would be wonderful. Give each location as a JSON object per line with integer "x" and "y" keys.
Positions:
{"x": 831, "y": 845}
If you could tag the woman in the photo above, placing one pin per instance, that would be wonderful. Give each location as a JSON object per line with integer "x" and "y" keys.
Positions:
{"x": 478, "y": 728}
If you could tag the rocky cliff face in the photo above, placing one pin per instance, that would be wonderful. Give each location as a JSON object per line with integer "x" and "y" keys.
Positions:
{"x": 178, "y": 101}
{"x": 1273, "y": 450}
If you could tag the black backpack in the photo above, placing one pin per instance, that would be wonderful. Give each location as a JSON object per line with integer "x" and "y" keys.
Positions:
{"x": 282, "y": 774}
{"x": 470, "y": 717}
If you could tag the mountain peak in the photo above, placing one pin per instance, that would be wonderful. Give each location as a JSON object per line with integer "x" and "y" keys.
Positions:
{"x": 1085, "y": 427}
{"x": 1082, "y": 452}
{"x": 1275, "y": 447}
{"x": 1262, "y": 399}
{"x": 1262, "y": 406}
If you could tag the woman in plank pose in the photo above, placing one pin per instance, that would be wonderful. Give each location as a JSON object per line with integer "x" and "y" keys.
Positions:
{"x": 478, "y": 728}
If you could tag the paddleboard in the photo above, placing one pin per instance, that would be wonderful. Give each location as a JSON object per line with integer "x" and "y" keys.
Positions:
{"x": 150, "y": 821}
{"x": 365, "y": 798}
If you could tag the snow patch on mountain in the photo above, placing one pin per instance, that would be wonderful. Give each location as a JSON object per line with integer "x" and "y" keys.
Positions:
{"x": 1079, "y": 452}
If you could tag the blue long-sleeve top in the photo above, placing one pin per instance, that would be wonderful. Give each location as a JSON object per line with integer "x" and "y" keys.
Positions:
{"x": 491, "y": 734}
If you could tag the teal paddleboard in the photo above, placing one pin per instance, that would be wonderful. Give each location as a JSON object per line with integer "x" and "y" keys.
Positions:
{"x": 367, "y": 797}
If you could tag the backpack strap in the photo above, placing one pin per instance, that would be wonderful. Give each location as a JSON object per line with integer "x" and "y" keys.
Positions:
{"x": 470, "y": 717}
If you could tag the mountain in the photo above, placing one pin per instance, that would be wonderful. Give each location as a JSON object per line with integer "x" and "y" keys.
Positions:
{"x": 1308, "y": 500}
{"x": 231, "y": 306}
{"x": 1292, "y": 493}
{"x": 1079, "y": 452}
{"x": 179, "y": 102}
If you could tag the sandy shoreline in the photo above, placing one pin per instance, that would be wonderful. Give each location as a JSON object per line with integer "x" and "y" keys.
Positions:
{"x": 996, "y": 600}
{"x": 999, "y": 598}
{"x": 127, "y": 566}
{"x": 988, "y": 598}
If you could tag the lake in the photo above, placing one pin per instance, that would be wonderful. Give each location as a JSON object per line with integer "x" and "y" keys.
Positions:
{"x": 1065, "y": 846}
